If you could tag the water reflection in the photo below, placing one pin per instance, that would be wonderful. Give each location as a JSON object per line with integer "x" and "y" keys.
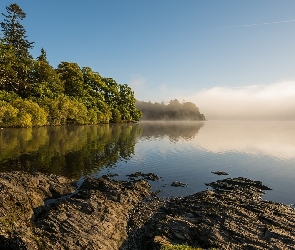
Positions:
{"x": 67, "y": 150}
{"x": 275, "y": 139}
{"x": 175, "y": 131}
{"x": 185, "y": 152}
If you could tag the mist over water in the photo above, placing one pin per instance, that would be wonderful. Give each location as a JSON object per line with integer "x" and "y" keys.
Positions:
{"x": 176, "y": 151}
{"x": 266, "y": 102}
{"x": 190, "y": 151}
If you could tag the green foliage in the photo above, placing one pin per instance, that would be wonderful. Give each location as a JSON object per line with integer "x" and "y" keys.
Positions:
{"x": 30, "y": 114}
{"x": 92, "y": 116}
{"x": 172, "y": 111}
{"x": 116, "y": 116}
{"x": 24, "y": 120}
{"x": 8, "y": 96}
{"x": 14, "y": 70}
{"x": 13, "y": 31}
{"x": 16, "y": 63}
{"x": 43, "y": 56}
{"x": 72, "y": 78}
{"x": 8, "y": 114}
{"x": 77, "y": 113}
{"x": 21, "y": 113}
{"x": 57, "y": 109}
{"x": 37, "y": 94}
{"x": 93, "y": 80}
{"x": 46, "y": 81}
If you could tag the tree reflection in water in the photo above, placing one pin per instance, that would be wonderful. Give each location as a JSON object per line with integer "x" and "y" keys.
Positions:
{"x": 72, "y": 151}
{"x": 173, "y": 130}
{"x": 76, "y": 151}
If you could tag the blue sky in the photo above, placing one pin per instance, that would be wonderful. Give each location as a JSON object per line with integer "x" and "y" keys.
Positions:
{"x": 165, "y": 49}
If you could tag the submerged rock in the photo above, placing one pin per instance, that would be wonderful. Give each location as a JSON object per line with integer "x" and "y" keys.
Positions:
{"x": 148, "y": 176}
{"x": 178, "y": 184}
{"x": 220, "y": 173}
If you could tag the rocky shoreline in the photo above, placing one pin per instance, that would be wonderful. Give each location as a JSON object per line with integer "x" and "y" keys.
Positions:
{"x": 110, "y": 214}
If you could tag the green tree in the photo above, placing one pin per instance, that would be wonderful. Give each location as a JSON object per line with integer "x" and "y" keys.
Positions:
{"x": 72, "y": 78}
{"x": 30, "y": 112}
{"x": 8, "y": 114}
{"x": 127, "y": 104}
{"x": 57, "y": 109}
{"x": 14, "y": 32}
{"x": 111, "y": 92}
{"x": 93, "y": 80}
{"x": 45, "y": 80}
{"x": 14, "y": 52}
{"x": 7, "y": 72}
{"x": 14, "y": 71}
{"x": 42, "y": 57}
{"x": 8, "y": 96}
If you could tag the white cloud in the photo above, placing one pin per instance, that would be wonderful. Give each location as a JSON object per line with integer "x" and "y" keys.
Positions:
{"x": 266, "y": 102}
{"x": 257, "y": 24}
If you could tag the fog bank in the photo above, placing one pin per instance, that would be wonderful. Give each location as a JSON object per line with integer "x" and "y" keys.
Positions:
{"x": 266, "y": 102}
{"x": 253, "y": 138}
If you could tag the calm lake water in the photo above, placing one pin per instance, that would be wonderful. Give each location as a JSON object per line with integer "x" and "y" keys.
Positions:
{"x": 185, "y": 152}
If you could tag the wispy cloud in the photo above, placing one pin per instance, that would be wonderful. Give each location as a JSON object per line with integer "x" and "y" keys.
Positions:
{"x": 266, "y": 102}
{"x": 259, "y": 24}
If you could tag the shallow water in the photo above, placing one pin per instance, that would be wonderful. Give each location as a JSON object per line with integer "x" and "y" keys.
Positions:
{"x": 186, "y": 152}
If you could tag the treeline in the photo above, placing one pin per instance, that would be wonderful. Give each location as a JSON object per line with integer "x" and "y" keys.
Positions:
{"x": 172, "y": 111}
{"x": 33, "y": 93}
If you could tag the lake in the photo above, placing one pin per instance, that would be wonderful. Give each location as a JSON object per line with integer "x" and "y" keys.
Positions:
{"x": 176, "y": 151}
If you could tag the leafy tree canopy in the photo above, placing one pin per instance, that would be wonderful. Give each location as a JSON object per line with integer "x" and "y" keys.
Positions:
{"x": 33, "y": 93}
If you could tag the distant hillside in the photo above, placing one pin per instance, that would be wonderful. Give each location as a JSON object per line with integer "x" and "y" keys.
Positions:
{"x": 172, "y": 111}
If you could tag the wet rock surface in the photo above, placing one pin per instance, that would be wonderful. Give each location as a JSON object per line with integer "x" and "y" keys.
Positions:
{"x": 178, "y": 184}
{"x": 21, "y": 198}
{"x": 220, "y": 173}
{"x": 223, "y": 218}
{"x": 110, "y": 214}
{"x": 141, "y": 175}
{"x": 93, "y": 218}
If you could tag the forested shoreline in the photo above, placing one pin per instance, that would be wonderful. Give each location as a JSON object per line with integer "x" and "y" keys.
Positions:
{"x": 174, "y": 110}
{"x": 34, "y": 93}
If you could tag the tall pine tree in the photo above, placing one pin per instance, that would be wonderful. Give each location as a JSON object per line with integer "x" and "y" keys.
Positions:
{"x": 13, "y": 31}
{"x": 16, "y": 60}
